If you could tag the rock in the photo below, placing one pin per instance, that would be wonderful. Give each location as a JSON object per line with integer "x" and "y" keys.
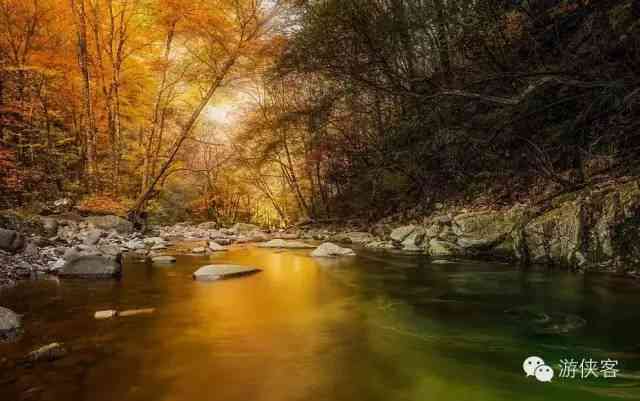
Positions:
{"x": 110, "y": 250}
{"x": 79, "y": 251}
{"x": 554, "y": 237}
{"x": 158, "y": 247}
{"x": 50, "y": 226}
{"x": 444, "y": 248}
{"x": 380, "y": 245}
{"x": 10, "y": 240}
{"x": 413, "y": 242}
{"x": 433, "y": 230}
{"x": 199, "y": 249}
{"x": 62, "y": 205}
{"x": 208, "y": 225}
{"x": 105, "y": 314}
{"x": 243, "y": 228}
{"x": 215, "y": 247}
{"x": 31, "y": 250}
{"x": 107, "y": 223}
{"x": 328, "y": 250}
{"x": 258, "y": 236}
{"x": 56, "y": 265}
{"x": 400, "y": 233}
{"x": 134, "y": 244}
{"x": 152, "y": 241}
{"x": 91, "y": 237}
{"x": 163, "y": 260}
{"x": 47, "y": 353}
{"x": 280, "y": 243}
{"x": 91, "y": 267}
{"x": 483, "y": 230}
{"x": 223, "y": 241}
{"x": 354, "y": 237}
{"x": 220, "y": 272}
{"x": 135, "y": 312}
{"x": 10, "y": 324}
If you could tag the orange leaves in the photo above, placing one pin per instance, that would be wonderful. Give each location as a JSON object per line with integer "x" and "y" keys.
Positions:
{"x": 103, "y": 204}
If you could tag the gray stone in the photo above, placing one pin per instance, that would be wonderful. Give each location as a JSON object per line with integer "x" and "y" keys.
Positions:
{"x": 220, "y": 272}
{"x": 119, "y": 224}
{"x": 50, "y": 226}
{"x": 413, "y": 241}
{"x": 444, "y": 248}
{"x": 91, "y": 237}
{"x": 328, "y": 250}
{"x": 10, "y": 323}
{"x": 91, "y": 266}
{"x": 400, "y": 233}
{"x": 10, "y": 240}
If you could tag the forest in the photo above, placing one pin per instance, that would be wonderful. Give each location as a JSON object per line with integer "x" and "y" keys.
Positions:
{"x": 277, "y": 112}
{"x": 324, "y": 200}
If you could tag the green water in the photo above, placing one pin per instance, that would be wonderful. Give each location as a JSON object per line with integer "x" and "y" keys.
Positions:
{"x": 367, "y": 328}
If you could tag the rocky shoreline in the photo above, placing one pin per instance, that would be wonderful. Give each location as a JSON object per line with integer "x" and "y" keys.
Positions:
{"x": 595, "y": 229}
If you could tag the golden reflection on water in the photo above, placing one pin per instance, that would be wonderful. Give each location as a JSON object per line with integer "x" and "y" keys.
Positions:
{"x": 262, "y": 337}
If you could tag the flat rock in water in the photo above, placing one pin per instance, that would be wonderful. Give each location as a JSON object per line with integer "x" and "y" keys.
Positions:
{"x": 329, "y": 250}
{"x": 220, "y": 272}
{"x": 105, "y": 314}
{"x": 163, "y": 260}
{"x": 215, "y": 247}
{"x": 47, "y": 353}
{"x": 281, "y": 243}
{"x": 91, "y": 266}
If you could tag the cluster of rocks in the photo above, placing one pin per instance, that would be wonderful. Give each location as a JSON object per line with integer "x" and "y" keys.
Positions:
{"x": 592, "y": 229}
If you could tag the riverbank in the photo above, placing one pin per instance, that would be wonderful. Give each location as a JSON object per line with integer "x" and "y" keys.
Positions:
{"x": 595, "y": 229}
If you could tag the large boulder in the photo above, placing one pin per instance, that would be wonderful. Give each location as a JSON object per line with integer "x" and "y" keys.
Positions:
{"x": 9, "y": 324}
{"x": 483, "y": 230}
{"x": 93, "y": 266}
{"x": 555, "y": 236}
{"x": 329, "y": 250}
{"x": 221, "y": 272}
{"x": 108, "y": 223}
{"x": 281, "y": 243}
{"x": 10, "y": 240}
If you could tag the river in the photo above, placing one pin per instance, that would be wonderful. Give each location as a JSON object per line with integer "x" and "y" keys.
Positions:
{"x": 373, "y": 327}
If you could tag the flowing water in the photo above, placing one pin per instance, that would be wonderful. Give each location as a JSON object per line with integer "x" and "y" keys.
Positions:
{"x": 372, "y": 327}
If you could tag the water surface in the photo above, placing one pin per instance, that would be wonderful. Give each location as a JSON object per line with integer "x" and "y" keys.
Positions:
{"x": 372, "y": 327}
